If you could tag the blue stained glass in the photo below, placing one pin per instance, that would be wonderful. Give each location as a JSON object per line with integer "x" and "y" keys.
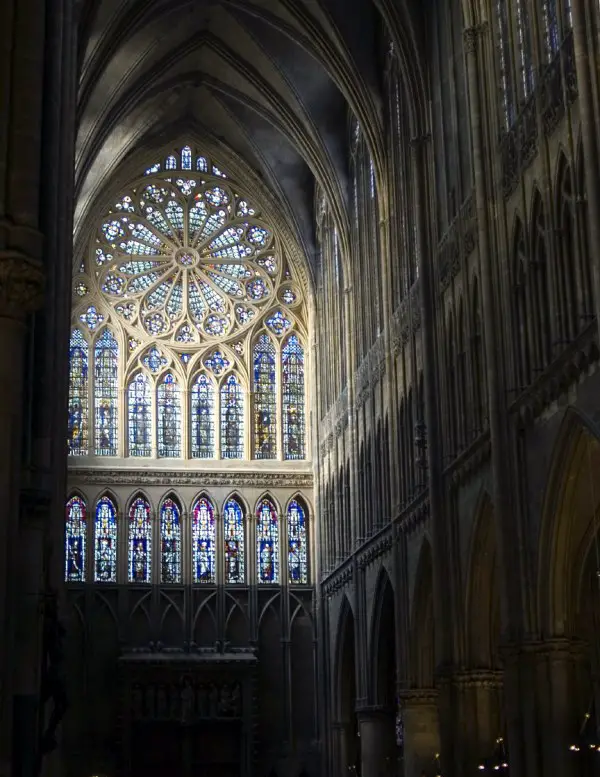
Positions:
{"x": 139, "y": 426}
{"x": 77, "y": 429}
{"x": 203, "y": 415}
{"x": 233, "y": 531}
{"x": 106, "y": 393}
{"x": 297, "y": 544}
{"x": 201, "y": 164}
{"x": 91, "y": 318}
{"x": 217, "y": 362}
{"x": 154, "y": 360}
{"x": 265, "y": 402}
{"x": 140, "y": 541}
{"x": 186, "y": 158}
{"x": 267, "y": 542}
{"x": 169, "y": 418}
{"x": 232, "y": 419}
{"x": 105, "y": 542}
{"x": 170, "y": 163}
{"x": 292, "y": 373}
{"x": 278, "y": 323}
{"x": 75, "y": 540}
{"x": 203, "y": 541}
{"x": 170, "y": 542}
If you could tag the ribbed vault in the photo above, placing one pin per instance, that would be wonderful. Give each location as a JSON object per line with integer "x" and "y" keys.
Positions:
{"x": 268, "y": 82}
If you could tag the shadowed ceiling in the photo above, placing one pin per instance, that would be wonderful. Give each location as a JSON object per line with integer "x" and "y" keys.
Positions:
{"x": 273, "y": 82}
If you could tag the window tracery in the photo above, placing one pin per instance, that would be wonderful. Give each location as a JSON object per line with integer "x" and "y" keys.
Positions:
{"x": 186, "y": 274}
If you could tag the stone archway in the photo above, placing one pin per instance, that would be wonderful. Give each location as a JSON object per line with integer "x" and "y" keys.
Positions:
{"x": 569, "y": 595}
{"x": 348, "y": 748}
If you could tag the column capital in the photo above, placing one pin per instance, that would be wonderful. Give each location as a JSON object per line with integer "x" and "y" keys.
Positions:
{"x": 472, "y": 34}
{"x": 418, "y": 697}
{"x": 373, "y": 712}
{"x": 21, "y": 285}
{"x": 479, "y": 678}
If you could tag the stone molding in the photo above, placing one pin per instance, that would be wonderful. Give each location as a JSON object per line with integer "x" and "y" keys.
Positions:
{"x": 21, "y": 285}
{"x": 479, "y": 678}
{"x": 120, "y": 477}
{"x": 418, "y": 697}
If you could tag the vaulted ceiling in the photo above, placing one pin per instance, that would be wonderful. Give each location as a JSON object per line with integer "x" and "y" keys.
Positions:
{"x": 272, "y": 81}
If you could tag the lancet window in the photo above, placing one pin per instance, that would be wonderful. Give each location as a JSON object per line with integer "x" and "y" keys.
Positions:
{"x": 105, "y": 541}
{"x": 170, "y": 541}
{"x": 186, "y": 305}
{"x": 203, "y": 541}
{"x": 267, "y": 542}
{"x": 140, "y": 541}
{"x": 234, "y": 539}
{"x": 75, "y": 540}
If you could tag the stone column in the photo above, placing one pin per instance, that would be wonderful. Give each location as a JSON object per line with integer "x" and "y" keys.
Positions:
{"x": 377, "y": 742}
{"x": 421, "y": 730}
{"x": 478, "y": 722}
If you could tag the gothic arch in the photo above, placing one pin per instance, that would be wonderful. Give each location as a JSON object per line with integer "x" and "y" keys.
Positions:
{"x": 568, "y": 520}
{"x": 383, "y": 642}
{"x": 421, "y": 638}
{"x": 482, "y": 602}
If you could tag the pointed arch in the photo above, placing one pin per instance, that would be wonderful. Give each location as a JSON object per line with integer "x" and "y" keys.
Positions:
{"x": 105, "y": 539}
{"x": 232, "y": 418}
{"x": 482, "y": 606}
{"x": 568, "y": 261}
{"x": 293, "y": 398}
{"x": 202, "y": 411}
{"x": 479, "y": 375}
{"x": 234, "y": 534}
{"x": 267, "y": 541}
{"x": 569, "y": 517}
{"x": 265, "y": 398}
{"x": 106, "y": 393}
{"x": 139, "y": 540}
{"x": 76, "y": 539}
{"x": 297, "y": 535}
{"x": 521, "y": 305}
{"x": 170, "y": 540}
{"x": 383, "y": 642}
{"x": 539, "y": 284}
{"x": 203, "y": 541}
{"x": 139, "y": 415}
{"x": 168, "y": 405}
{"x": 421, "y": 640}
{"x": 78, "y": 394}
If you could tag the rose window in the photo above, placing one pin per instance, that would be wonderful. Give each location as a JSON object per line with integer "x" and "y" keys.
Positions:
{"x": 186, "y": 259}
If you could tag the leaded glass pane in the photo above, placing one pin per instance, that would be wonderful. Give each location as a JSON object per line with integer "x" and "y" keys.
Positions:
{"x": 267, "y": 542}
{"x": 139, "y": 403}
{"x": 265, "y": 402}
{"x": 78, "y": 395}
{"x": 105, "y": 542}
{"x": 233, "y": 531}
{"x": 140, "y": 542}
{"x": 292, "y": 373}
{"x": 297, "y": 544}
{"x": 203, "y": 418}
{"x": 203, "y": 541}
{"x": 106, "y": 393}
{"x": 232, "y": 419}
{"x": 170, "y": 542}
{"x": 75, "y": 540}
{"x": 169, "y": 418}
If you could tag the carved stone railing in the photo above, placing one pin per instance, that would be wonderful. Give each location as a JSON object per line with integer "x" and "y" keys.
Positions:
{"x": 458, "y": 243}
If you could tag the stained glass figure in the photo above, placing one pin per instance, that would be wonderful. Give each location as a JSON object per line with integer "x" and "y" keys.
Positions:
{"x": 267, "y": 542}
{"x": 75, "y": 540}
{"x": 169, "y": 418}
{"x": 77, "y": 429}
{"x": 154, "y": 360}
{"x": 170, "y": 542}
{"x": 265, "y": 402}
{"x": 106, "y": 393}
{"x": 297, "y": 544}
{"x": 292, "y": 374}
{"x": 140, "y": 541}
{"x": 139, "y": 414}
{"x": 186, "y": 158}
{"x": 232, "y": 419}
{"x": 203, "y": 541}
{"x": 105, "y": 541}
{"x": 233, "y": 532}
{"x": 203, "y": 418}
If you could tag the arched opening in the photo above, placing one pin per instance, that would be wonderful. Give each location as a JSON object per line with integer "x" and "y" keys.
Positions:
{"x": 348, "y": 755}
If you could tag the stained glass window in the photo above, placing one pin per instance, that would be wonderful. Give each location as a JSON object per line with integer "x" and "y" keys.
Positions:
{"x": 78, "y": 395}
{"x": 203, "y": 541}
{"x": 140, "y": 541}
{"x": 297, "y": 544}
{"x": 233, "y": 531}
{"x": 292, "y": 374}
{"x": 265, "y": 403}
{"x": 169, "y": 418}
{"x": 203, "y": 418}
{"x": 105, "y": 541}
{"x": 506, "y": 83}
{"x": 232, "y": 419}
{"x": 170, "y": 542}
{"x": 106, "y": 392}
{"x": 139, "y": 402}
{"x": 75, "y": 540}
{"x": 267, "y": 542}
